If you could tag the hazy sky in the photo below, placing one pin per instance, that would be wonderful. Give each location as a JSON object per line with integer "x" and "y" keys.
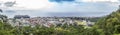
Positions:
{"x": 37, "y": 4}
{"x": 62, "y": 7}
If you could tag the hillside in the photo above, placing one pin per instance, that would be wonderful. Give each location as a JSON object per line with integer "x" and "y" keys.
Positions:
{"x": 110, "y": 24}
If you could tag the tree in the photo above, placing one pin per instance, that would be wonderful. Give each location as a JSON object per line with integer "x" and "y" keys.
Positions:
{"x": 110, "y": 24}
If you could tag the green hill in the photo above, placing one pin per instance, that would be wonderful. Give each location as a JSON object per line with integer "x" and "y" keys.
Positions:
{"x": 110, "y": 24}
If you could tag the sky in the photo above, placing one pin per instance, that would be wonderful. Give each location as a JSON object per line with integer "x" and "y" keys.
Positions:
{"x": 60, "y": 7}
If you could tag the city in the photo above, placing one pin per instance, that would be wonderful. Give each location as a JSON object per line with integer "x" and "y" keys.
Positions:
{"x": 59, "y": 17}
{"x": 25, "y": 20}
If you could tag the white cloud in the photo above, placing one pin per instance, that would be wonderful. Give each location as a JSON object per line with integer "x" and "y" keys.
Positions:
{"x": 34, "y": 3}
{"x": 44, "y": 6}
{"x": 97, "y": 0}
{"x": 31, "y": 4}
{"x": 6, "y": 0}
{"x": 41, "y": 4}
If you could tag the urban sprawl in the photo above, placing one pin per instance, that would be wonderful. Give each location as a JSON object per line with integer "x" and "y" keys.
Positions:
{"x": 25, "y": 20}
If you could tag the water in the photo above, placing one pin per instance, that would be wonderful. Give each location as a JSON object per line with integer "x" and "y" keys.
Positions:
{"x": 34, "y": 13}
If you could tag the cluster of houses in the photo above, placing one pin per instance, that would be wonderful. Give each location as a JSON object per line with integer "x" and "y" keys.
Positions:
{"x": 25, "y": 20}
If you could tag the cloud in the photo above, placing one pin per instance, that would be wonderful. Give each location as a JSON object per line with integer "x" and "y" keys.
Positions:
{"x": 67, "y": 7}
{"x": 97, "y": 0}
{"x": 31, "y": 4}
{"x": 34, "y": 4}
{"x": 82, "y": 9}
{"x": 73, "y": 9}
{"x": 61, "y": 0}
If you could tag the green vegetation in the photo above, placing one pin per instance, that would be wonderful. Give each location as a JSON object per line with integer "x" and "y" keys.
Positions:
{"x": 109, "y": 25}
{"x": 94, "y": 19}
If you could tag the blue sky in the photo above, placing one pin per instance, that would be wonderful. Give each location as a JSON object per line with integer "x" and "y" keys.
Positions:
{"x": 61, "y": 7}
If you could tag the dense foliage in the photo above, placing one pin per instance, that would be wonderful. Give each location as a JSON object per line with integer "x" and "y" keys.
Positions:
{"x": 109, "y": 25}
